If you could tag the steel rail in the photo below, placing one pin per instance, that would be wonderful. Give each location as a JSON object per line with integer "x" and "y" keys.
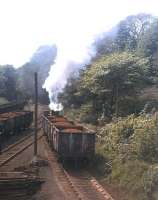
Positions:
{"x": 83, "y": 187}
{"x": 17, "y": 148}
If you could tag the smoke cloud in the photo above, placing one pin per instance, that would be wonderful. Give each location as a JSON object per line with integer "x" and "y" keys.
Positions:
{"x": 68, "y": 61}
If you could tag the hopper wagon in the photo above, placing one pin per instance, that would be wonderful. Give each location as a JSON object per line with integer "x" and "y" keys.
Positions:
{"x": 69, "y": 140}
{"x": 13, "y": 106}
{"x": 12, "y": 123}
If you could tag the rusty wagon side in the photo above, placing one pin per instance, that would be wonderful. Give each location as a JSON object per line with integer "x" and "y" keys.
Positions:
{"x": 68, "y": 139}
{"x": 14, "y": 122}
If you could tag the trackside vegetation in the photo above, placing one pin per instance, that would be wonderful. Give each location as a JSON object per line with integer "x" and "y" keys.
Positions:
{"x": 130, "y": 148}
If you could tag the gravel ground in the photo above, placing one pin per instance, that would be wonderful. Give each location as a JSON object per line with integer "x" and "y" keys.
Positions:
{"x": 50, "y": 190}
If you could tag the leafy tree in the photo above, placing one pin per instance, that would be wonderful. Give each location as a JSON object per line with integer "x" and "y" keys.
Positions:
{"x": 106, "y": 44}
{"x": 149, "y": 42}
{"x": 148, "y": 46}
{"x": 2, "y": 82}
{"x": 130, "y": 144}
{"x": 114, "y": 80}
{"x": 8, "y": 78}
{"x": 131, "y": 30}
{"x": 69, "y": 97}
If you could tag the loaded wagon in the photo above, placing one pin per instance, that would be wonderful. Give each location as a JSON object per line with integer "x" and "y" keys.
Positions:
{"x": 14, "y": 122}
{"x": 10, "y": 107}
{"x": 25, "y": 119}
{"x": 68, "y": 139}
{"x": 6, "y": 125}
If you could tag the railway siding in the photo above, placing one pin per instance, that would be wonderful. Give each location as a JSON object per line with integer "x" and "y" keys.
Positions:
{"x": 101, "y": 189}
{"x": 15, "y": 149}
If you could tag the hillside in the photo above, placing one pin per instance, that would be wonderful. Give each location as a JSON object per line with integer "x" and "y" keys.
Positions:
{"x": 40, "y": 62}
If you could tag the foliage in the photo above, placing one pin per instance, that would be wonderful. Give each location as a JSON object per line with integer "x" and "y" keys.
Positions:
{"x": 8, "y": 83}
{"x": 131, "y": 145}
{"x": 126, "y": 36}
{"x": 125, "y": 68}
{"x": 87, "y": 113}
{"x": 148, "y": 43}
{"x": 109, "y": 84}
{"x": 70, "y": 97}
{"x": 148, "y": 46}
{"x": 106, "y": 45}
{"x": 131, "y": 30}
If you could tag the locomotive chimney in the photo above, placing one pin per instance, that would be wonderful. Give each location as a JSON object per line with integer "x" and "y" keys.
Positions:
{"x": 52, "y": 112}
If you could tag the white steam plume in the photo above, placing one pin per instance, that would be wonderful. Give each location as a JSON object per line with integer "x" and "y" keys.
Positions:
{"x": 65, "y": 64}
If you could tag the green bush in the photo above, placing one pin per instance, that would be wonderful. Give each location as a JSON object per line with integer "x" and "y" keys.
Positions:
{"x": 150, "y": 182}
{"x": 102, "y": 165}
{"x": 129, "y": 174}
{"x": 85, "y": 114}
{"x": 131, "y": 144}
{"x": 145, "y": 140}
{"x": 137, "y": 136}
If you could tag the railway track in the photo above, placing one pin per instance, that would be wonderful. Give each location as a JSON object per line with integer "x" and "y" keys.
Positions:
{"x": 78, "y": 185}
{"x": 18, "y": 147}
{"x": 16, "y": 143}
{"x": 87, "y": 185}
{"x": 15, "y": 149}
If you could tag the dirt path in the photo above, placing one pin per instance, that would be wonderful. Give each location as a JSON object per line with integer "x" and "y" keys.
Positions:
{"x": 50, "y": 190}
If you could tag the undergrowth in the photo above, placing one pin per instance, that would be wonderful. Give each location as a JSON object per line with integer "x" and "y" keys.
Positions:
{"x": 131, "y": 146}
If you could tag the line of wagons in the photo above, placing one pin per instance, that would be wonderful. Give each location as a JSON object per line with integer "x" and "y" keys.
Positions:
{"x": 12, "y": 123}
{"x": 69, "y": 140}
{"x": 10, "y": 107}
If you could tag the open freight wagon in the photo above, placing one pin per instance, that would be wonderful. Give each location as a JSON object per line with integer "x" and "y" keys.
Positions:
{"x": 12, "y": 106}
{"x": 14, "y": 122}
{"x": 68, "y": 139}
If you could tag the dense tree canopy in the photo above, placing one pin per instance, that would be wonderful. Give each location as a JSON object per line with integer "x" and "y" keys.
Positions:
{"x": 131, "y": 30}
{"x": 110, "y": 83}
{"x": 124, "y": 66}
{"x": 148, "y": 44}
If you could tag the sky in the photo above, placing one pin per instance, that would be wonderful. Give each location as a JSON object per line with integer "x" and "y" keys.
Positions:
{"x": 27, "y": 24}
